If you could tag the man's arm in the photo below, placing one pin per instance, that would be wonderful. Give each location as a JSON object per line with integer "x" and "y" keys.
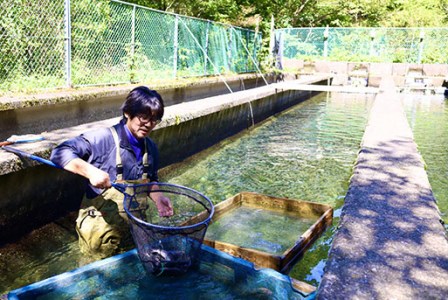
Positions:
{"x": 98, "y": 178}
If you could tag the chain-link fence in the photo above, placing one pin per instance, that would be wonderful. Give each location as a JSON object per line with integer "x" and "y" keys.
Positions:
{"x": 401, "y": 45}
{"x": 49, "y": 44}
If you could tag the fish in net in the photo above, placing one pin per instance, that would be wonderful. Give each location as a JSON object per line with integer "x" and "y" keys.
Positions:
{"x": 167, "y": 245}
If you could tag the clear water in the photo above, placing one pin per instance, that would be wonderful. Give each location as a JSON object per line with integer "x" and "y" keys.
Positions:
{"x": 265, "y": 230}
{"x": 304, "y": 153}
{"x": 216, "y": 277}
{"x": 428, "y": 119}
{"x": 48, "y": 251}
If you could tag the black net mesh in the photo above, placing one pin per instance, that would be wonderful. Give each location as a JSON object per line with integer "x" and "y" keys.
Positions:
{"x": 167, "y": 245}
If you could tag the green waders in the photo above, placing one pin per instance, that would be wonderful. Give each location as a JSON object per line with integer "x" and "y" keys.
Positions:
{"x": 102, "y": 223}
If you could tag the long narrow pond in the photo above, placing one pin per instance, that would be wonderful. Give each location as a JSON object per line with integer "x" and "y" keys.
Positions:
{"x": 428, "y": 118}
{"x": 304, "y": 153}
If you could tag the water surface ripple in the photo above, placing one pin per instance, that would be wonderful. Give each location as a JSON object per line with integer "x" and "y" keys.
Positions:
{"x": 428, "y": 119}
{"x": 304, "y": 153}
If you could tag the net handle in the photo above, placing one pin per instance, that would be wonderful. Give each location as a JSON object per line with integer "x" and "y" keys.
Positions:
{"x": 122, "y": 188}
{"x": 119, "y": 186}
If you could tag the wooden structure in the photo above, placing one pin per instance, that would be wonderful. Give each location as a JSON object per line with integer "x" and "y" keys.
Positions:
{"x": 282, "y": 263}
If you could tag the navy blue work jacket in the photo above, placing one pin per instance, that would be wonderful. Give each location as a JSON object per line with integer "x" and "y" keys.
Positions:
{"x": 97, "y": 147}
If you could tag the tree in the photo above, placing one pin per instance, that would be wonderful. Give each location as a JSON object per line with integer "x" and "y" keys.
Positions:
{"x": 416, "y": 13}
{"x": 312, "y": 13}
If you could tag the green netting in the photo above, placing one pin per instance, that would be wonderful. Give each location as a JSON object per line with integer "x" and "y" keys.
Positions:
{"x": 112, "y": 42}
{"x": 239, "y": 58}
{"x": 154, "y": 50}
{"x": 217, "y": 35}
{"x": 32, "y": 44}
{"x": 254, "y": 45}
{"x": 191, "y": 42}
{"x": 407, "y": 45}
{"x": 101, "y": 38}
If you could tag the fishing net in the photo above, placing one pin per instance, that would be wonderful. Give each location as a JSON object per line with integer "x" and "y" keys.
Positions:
{"x": 167, "y": 245}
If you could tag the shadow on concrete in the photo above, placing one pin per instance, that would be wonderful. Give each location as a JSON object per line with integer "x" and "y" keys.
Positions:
{"x": 390, "y": 242}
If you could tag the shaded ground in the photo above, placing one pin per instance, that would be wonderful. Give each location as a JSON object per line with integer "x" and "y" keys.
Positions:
{"x": 390, "y": 243}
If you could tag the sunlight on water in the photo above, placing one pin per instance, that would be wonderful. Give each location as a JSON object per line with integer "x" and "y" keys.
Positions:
{"x": 305, "y": 153}
{"x": 138, "y": 285}
{"x": 268, "y": 231}
{"x": 428, "y": 119}
{"x": 48, "y": 251}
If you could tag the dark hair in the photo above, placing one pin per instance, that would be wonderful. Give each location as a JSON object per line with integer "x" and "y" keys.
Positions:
{"x": 143, "y": 101}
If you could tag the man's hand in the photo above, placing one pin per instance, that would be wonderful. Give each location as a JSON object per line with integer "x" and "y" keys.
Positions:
{"x": 164, "y": 205}
{"x": 162, "y": 202}
{"x": 99, "y": 179}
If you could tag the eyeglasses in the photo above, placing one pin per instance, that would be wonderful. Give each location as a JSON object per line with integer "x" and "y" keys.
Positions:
{"x": 145, "y": 119}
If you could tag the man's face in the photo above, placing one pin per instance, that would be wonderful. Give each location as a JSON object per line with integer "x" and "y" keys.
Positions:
{"x": 141, "y": 125}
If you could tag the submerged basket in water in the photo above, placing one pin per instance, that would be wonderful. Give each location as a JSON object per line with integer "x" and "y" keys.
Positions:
{"x": 167, "y": 245}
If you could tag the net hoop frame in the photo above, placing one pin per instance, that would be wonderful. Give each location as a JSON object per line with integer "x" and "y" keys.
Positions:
{"x": 160, "y": 184}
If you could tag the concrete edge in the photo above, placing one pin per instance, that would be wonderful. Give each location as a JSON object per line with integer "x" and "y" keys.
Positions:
{"x": 174, "y": 115}
{"x": 91, "y": 93}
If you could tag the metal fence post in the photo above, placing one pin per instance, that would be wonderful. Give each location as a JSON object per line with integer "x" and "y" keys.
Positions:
{"x": 176, "y": 45}
{"x": 326, "y": 34}
{"x": 131, "y": 77}
{"x": 68, "y": 44}
{"x": 229, "y": 53}
{"x": 247, "y": 46}
{"x": 256, "y": 42}
{"x": 420, "y": 48}
{"x": 272, "y": 39}
{"x": 206, "y": 48}
{"x": 279, "y": 58}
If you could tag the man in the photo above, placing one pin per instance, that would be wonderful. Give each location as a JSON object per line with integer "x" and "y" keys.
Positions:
{"x": 122, "y": 152}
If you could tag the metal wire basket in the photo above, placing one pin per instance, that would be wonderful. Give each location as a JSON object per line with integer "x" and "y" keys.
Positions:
{"x": 167, "y": 245}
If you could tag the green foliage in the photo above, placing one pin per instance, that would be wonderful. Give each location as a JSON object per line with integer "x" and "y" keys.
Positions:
{"x": 108, "y": 47}
{"x": 400, "y": 55}
{"x": 30, "y": 83}
{"x": 435, "y": 52}
{"x": 314, "y": 13}
{"x": 33, "y": 32}
{"x": 217, "y": 10}
{"x": 19, "y": 39}
{"x": 416, "y": 13}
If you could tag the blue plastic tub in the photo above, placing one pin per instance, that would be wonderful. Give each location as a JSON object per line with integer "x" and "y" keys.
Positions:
{"x": 219, "y": 276}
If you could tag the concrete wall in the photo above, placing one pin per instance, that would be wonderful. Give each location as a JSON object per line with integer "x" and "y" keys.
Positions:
{"x": 342, "y": 70}
{"x": 36, "y": 196}
{"x": 50, "y": 112}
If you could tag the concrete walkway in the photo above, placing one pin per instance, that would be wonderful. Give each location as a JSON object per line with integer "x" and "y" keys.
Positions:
{"x": 390, "y": 243}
